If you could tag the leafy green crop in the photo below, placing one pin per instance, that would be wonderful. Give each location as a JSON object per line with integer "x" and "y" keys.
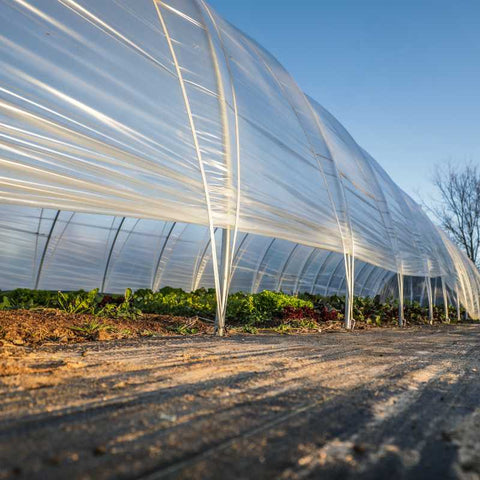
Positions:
{"x": 261, "y": 309}
{"x": 264, "y": 309}
{"x": 90, "y": 329}
{"x": 79, "y": 302}
{"x": 75, "y": 302}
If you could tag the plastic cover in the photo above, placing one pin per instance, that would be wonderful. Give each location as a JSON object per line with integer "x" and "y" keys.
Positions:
{"x": 134, "y": 134}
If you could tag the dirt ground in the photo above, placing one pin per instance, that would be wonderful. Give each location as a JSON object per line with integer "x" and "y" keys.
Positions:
{"x": 43, "y": 325}
{"x": 384, "y": 403}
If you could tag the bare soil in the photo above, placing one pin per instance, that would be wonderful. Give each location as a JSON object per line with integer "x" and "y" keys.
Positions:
{"x": 381, "y": 403}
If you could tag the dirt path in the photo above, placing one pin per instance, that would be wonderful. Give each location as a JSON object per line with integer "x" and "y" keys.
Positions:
{"x": 377, "y": 404}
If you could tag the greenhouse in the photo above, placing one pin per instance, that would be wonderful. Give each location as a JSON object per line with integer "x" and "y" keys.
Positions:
{"x": 149, "y": 143}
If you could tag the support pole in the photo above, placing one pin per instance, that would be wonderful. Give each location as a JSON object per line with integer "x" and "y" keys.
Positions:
{"x": 349, "y": 291}
{"x": 45, "y": 248}
{"x": 220, "y": 324}
{"x": 257, "y": 278}
{"x": 422, "y": 294}
{"x": 224, "y": 282}
{"x": 155, "y": 283}
{"x": 401, "y": 316}
{"x": 305, "y": 265}
{"x": 109, "y": 258}
{"x": 430, "y": 299}
{"x": 458, "y": 305}
{"x": 201, "y": 264}
{"x": 284, "y": 269}
{"x": 445, "y": 301}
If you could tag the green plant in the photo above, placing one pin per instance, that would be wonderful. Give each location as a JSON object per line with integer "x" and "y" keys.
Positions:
{"x": 264, "y": 309}
{"x": 28, "y": 299}
{"x": 250, "y": 329}
{"x": 6, "y": 303}
{"x": 78, "y": 302}
{"x": 120, "y": 308}
{"x": 90, "y": 329}
{"x": 305, "y": 324}
{"x": 174, "y": 301}
{"x": 183, "y": 329}
{"x": 283, "y": 328}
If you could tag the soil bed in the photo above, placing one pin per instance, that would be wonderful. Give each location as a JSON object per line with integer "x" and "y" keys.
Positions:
{"x": 38, "y": 326}
{"x": 35, "y": 327}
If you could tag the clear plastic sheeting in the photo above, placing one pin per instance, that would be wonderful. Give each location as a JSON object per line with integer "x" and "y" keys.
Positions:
{"x": 149, "y": 143}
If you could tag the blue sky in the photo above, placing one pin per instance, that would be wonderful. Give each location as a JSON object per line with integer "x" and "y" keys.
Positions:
{"x": 402, "y": 76}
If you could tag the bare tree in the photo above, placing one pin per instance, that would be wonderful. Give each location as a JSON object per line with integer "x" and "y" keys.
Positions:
{"x": 458, "y": 209}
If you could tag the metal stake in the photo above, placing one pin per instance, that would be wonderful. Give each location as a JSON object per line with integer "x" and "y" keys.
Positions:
{"x": 401, "y": 318}
{"x": 349, "y": 292}
{"x": 445, "y": 300}
{"x": 430, "y": 299}
{"x": 224, "y": 275}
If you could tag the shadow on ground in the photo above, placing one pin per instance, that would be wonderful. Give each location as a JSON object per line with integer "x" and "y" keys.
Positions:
{"x": 379, "y": 404}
